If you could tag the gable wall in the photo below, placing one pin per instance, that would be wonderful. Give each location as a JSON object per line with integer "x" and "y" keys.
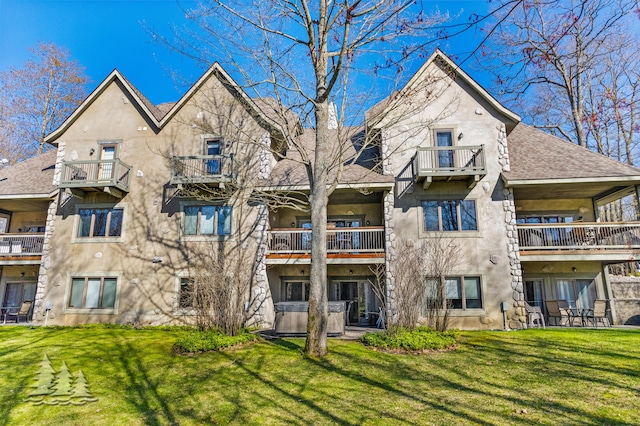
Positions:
{"x": 152, "y": 219}
{"x": 456, "y": 107}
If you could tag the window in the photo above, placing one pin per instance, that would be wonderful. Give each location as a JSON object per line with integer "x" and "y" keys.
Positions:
{"x": 462, "y": 292}
{"x": 185, "y": 294}
{"x": 93, "y": 293}
{"x": 296, "y": 291}
{"x": 450, "y": 215}
{"x": 100, "y": 222}
{"x": 207, "y": 220}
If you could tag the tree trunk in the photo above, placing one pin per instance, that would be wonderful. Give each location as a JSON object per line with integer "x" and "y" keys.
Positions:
{"x": 318, "y": 305}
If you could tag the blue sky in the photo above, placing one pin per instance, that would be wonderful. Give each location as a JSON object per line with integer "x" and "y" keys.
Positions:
{"x": 107, "y": 34}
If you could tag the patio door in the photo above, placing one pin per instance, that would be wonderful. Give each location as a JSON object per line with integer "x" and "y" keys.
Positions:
{"x": 213, "y": 148}
{"x": 108, "y": 152}
{"x": 444, "y": 138}
{"x": 17, "y": 292}
{"x": 533, "y": 293}
{"x": 578, "y": 292}
{"x": 359, "y": 296}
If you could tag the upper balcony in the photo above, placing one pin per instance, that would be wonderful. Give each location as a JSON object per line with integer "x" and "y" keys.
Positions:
{"x": 344, "y": 245}
{"x": 445, "y": 163}
{"x": 110, "y": 176}
{"x": 609, "y": 242}
{"x": 21, "y": 249}
{"x": 206, "y": 169}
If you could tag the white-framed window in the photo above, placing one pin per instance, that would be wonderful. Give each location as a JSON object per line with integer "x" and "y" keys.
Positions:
{"x": 449, "y": 215}
{"x": 207, "y": 220}
{"x": 93, "y": 292}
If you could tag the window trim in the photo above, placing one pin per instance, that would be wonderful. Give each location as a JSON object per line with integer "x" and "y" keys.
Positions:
{"x": 117, "y": 275}
{"x": 423, "y": 232}
{"x": 304, "y": 279}
{"x": 177, "y": 310}
{"x": 206, "y": 237}
{"x": 464, "y": 308}
{"x": 106, "y": 239}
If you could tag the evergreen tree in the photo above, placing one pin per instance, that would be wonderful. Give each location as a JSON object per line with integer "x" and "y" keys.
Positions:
{"x": 64, "y": 382}
{"x": 81, "y": 390}
{"x": 44, "y": 378}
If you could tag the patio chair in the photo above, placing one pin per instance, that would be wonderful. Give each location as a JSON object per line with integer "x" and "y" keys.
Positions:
{"x": 554, "y": 310}
{"x": 24, "y": 311}
{"x": 534, "y": 314}
{"x": 598, "y": 313}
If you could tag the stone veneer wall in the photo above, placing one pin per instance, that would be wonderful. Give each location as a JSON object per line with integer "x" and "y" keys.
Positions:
{"x": 260, "y": 290}
{"x": 265, "y": 156}
{"x": 517, "y": 316}
{"x": 389, "y": 234}
{"x": 38, "y": 306}
{"x": 626, "y": 299}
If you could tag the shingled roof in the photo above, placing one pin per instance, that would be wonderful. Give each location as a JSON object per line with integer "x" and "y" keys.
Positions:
{"x": 537, "y": 155}
{"x": 30, "y": 177}
{"x": 290, "y": 172}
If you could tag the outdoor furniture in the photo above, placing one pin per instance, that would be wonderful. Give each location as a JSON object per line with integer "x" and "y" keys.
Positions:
{"x": 381, "y": 322}
{"x": 598, "y": 313}
{"x": 559, "y": 309}
{"x": 571, "y": 312}
{"x": 23, "y": 312}
{"x": 534, "y": 315}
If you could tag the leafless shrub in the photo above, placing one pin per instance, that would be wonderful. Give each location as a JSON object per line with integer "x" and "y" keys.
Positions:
{"x": 419, "y": 281}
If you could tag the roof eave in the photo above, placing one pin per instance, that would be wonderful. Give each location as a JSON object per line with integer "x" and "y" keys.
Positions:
{"x": 519, "y": 183}
{"x": 113, "y": 76}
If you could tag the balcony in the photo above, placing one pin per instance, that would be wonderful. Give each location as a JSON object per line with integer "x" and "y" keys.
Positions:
{"x": 21, "y": 248}
{"x": 110, "y": 176}
{"x": 446, "y": 163}
{"x": 595, "y": 241}
{"x": 206, "y": 169}
{"x": 357, "y": 244}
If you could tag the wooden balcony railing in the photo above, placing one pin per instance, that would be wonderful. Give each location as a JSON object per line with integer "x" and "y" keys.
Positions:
{"x": 368, "y": 239}
{"x": 95, "y": 174}
{"x": 450, "y": 160}
{"x": 21, "y": 245}
{"x": 573, "y": 236}
{"x": 201, "y": 169}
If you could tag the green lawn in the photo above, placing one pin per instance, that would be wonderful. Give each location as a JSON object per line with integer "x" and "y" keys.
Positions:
{"x": 524, "y": 377}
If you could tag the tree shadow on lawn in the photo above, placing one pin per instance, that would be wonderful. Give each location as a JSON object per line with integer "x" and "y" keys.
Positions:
{"x": 139, "y": 388}
{"x": 470, "y": 386}
{"x": 544, "y": 349}
{"x": 29, "y": 358}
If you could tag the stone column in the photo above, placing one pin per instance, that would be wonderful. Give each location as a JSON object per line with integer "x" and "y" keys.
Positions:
{"x": 517, "y": 316}
{"x": 261, "y": 288}
{"x": 390, "y": 239}
{"x": 38, "y": 305}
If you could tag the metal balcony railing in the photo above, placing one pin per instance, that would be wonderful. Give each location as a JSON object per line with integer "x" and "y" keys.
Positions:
{"x": 450, "y": 161}
{"x": 21, "y": 245}
{"x": 368, "y": 239}
{"x": 572, "y": 236}
{"x": 95, "y": 174}
{"x": 201, "y": 169}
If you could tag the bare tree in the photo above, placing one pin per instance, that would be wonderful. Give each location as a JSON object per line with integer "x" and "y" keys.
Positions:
{"x": 420, "y": 283}
{"x": 552, "y": 56}
{"x": 37, "y": 98}
{"x": 307, "y": 55}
